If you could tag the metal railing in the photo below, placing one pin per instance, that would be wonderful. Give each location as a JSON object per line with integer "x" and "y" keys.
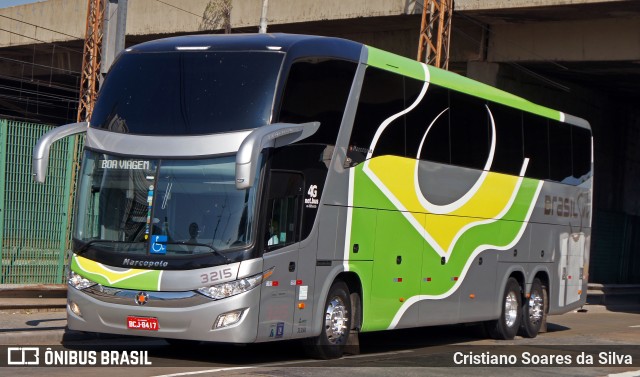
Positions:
{"x": 33, "y": 217}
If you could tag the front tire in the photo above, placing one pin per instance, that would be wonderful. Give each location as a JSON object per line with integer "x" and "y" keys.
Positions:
{"x": 336, "y": 326}
{"x": 507, "y": 325}
{"x": 533, "y": 311}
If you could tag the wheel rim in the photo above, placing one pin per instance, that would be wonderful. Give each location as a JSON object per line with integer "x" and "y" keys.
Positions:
{"x": 336, "y": 319}
{"x": 536, "y": 307}
{"x": 510, "y": 309}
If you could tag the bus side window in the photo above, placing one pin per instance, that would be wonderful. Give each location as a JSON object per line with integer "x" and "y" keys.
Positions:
{"x": 560, "y": 165}
{"x": 283, "y": 209}
{"x": 536, "y": 145}
{"x": 470, "y": 131}
{"x": 432, "y": 112}
{"x": 581, "y": 148}
{"x": 509, "y": 153}
{"x": 317, "y": 90}
{"x": 382, "y": 96}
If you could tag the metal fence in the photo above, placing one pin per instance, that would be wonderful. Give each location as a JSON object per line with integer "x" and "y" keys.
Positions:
{"x": 34, "y": 218}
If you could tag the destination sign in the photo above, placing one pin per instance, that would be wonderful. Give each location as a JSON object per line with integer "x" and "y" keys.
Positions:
{"x": 125, "y": 164}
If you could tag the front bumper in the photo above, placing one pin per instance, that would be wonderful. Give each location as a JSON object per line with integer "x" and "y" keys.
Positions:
{"x": 177, "y": 318}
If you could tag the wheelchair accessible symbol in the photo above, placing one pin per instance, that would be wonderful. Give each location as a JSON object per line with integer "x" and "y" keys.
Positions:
{"x": 158, "y": 245}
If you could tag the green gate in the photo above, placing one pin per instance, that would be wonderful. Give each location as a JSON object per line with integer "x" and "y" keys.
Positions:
{"x": 33, "y": 217}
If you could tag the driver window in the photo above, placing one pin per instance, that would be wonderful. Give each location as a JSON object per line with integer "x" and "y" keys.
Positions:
{"x": 284, "y": 204}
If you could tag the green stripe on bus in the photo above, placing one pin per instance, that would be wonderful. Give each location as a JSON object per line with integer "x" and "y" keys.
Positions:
{"x": 463, "y": 84}
{"x": 395, "y": 63}
{"x": 146, "y": 281}
{"x": 396, "y": 236}
{"x": 414, "y": 69}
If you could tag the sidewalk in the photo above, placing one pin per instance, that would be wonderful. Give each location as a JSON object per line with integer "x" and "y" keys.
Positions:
{"x": 35, "y": 315}
{"x": 32, "y": 297}
{"x": 43, "y": 328}
{"x": 32, "y": 328}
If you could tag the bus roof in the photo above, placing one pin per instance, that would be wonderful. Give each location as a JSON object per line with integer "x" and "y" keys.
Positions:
{"x": 297, "y": 46}
{"x": 292, "y": 44}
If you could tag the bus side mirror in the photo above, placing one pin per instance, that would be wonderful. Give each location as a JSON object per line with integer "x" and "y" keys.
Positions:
{"x": 272, "y": 135}
{"x": 40, "y": 159}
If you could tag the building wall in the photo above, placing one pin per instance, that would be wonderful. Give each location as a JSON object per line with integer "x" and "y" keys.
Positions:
{"x": 583, "y": 40}
{"x": 147, "y": 17}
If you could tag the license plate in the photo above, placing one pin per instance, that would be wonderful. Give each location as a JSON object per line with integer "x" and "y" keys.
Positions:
{"x": 143, "y": 323}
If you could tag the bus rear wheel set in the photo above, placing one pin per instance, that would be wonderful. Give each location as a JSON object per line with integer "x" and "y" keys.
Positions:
{"x": 519, "y": 315}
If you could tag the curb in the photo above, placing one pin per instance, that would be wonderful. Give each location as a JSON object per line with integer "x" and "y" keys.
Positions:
{"x": 32, "y": 304}
{"x": 30, "y": 338}
{"x": 33, "y": 290}
{"x": 53, "y": 337}
{"x": 29, "y": 298}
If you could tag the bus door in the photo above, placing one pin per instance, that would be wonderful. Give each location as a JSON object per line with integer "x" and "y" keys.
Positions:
{"x": 281, "y": 249}
{"x": 571, "y": 267}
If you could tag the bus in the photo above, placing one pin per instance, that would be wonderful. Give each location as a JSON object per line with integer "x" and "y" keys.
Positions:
{"x": 263, "y": 187}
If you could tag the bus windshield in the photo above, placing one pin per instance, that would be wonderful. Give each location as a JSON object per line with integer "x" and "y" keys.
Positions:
{"x": 188, "y": 92}
{"x": 163, "y": 207}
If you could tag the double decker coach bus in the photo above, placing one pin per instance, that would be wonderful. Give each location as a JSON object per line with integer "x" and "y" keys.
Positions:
{"x": 253, "y": 188}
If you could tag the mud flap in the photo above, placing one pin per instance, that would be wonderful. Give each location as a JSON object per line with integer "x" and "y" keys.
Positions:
{"x": 543, "y": 326}
{"x": 353, "y": 341}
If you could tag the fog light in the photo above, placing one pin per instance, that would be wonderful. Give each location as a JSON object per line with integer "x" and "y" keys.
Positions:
{"x": 228, "y": 318}
{"x": 75, "y": 309}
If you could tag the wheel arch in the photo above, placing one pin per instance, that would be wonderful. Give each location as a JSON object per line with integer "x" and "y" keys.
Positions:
{"x": 515, "y": 271}
{"x": 519, "y": 276}
{"x": 355, "y": 290}
{"x": 541, "y": 273}
{"x": 353, "y": 282}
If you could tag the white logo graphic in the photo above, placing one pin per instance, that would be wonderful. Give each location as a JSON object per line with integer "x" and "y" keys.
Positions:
{"x": 312, "y": 201}
{"x": 23, "y": 356}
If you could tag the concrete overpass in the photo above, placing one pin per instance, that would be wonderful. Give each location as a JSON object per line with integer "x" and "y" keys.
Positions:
{"x": 555, "y": 39}
{"x": 580, "y": 56}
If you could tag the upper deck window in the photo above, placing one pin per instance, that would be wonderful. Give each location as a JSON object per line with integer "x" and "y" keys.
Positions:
{"x": 317, "y": 89}
{"x": 188, "y": 92}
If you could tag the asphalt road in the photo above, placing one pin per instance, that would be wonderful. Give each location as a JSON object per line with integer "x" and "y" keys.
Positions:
{"x": 611, "y": 337}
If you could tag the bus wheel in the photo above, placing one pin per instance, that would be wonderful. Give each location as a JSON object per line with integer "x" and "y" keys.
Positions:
{"x": 506, "y": 326}
{"x": 533, "y": 311}
{"x": 335, "y": 328}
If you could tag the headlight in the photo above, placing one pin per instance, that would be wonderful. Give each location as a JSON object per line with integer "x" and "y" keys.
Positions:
{"x": 232, "y": 288}
{"x": 78, "y": 282}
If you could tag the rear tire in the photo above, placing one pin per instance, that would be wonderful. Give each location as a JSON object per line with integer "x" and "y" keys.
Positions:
{"x": 507, "y": 325}
{"x": 533, "y": 311}
{"x": 336, "y": 325}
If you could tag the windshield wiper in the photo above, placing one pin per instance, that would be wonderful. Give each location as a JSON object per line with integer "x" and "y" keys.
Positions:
{"x": 90, "y": 243}
{"x": 185, "y": 243}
